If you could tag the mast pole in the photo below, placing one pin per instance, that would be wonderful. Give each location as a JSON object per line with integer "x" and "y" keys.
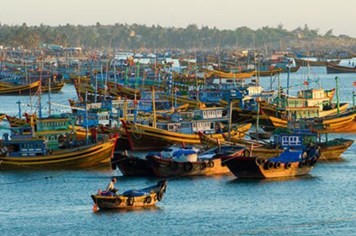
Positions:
{"x": 337, "y": 95}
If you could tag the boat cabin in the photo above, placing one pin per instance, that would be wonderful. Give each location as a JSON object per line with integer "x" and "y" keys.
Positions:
{"x": 294, "y": 139}
{"x": 23, "y": 145}
{"x": 207, "y": 120}
{"x": 208, "y": 113}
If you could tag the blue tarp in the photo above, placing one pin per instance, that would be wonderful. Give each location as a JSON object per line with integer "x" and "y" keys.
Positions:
{"x": 288, "y": 156}
{"x": 135, "y": 193}
{"x": 184, "y": 152}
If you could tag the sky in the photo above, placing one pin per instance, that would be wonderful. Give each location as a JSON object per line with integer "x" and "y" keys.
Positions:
{"x": 323, "y": 15}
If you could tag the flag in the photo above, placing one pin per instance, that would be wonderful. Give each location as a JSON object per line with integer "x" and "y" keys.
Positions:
{"x": 354, "y": 83}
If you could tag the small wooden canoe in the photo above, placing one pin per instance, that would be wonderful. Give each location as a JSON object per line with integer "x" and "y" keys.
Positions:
{"x": 146, "y": 197}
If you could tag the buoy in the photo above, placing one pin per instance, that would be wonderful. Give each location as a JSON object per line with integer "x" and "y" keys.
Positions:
{"x": 95, "y": 208}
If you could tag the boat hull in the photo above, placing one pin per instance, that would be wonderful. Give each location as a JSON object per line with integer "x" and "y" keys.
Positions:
{"x": 132, "y": 166}
{"x": 333, "y": 69}
{"x": 249, "y": 167}
{"x": 90, "y": 156}
{"x": 20, "y": 89}
{"x": 334, "y": 149}
{"x": 164, "y": 167}
{"x": 141, "y": 137}
{"x": 130, "y": 201}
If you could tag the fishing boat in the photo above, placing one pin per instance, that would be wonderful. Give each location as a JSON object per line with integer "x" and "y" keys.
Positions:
{"x": 265, "y": 150}
{"x": 25, "y": 89}
{"x": 33, "y": 154}
{"x": 135, "y": 136}
{"x": 231, "y": 75}
{"x": 131, "y": 199}
{"x": 135, "y": 163}
{"x": 187, "y": 162}
{"x": 333, "y": 149}
{"x": 309, "y": 103}
{"x": 344, "y": 122}
{"x": 330, "y": 149}
{"x": 302, "y": 138}
{"x": 299, "y": 155}
{"x": 344, "y": 66}
{"x": 269, "y": 71}
{"x": 85, "y": 91}
{"x": 50, "y": 144}
{"x": 290, "y": 163}
{"x": 260, "y": 135}
{"x": 54, "y": 87}
{"x": 131, "y": 164}
{"x": 118, "y": 90}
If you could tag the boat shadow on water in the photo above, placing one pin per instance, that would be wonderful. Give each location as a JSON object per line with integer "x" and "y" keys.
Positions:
{"x": 308, "y": 177}
{"x": 127, "y": 210}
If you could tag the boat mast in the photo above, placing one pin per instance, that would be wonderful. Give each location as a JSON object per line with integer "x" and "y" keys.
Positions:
{"x": 196, "y": 76}
{"x": 154, "y": 124}
{"x": 86, "y": 117}
{"x": 288, "y": 76}
{"x": 49, "y": 95}
{"x": 19, "y": 103}
{"x": 337, "y": 95}
{"x": 258, "y": 118}
{"x": 40, "y": 92}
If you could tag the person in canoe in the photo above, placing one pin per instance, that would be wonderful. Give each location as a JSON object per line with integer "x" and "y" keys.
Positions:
{"x": 111, "y": 187}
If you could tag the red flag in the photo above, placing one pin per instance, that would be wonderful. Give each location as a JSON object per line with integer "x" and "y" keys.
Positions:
{"x": 354, "y": 83}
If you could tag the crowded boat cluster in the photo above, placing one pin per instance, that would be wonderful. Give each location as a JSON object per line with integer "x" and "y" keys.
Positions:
{"x": 171, "y": 115}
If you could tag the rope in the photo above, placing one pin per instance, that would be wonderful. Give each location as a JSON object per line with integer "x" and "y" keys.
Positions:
{"x": 30, "y": 180}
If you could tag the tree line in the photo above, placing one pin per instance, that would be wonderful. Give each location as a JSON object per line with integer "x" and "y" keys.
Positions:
{"x": 135, "y": 36}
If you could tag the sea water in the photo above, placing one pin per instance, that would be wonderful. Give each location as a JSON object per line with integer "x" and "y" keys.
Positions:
{"x": 37, "y": 202}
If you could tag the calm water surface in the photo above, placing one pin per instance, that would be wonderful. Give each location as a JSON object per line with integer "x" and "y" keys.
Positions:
{"x": 58, "y": 202}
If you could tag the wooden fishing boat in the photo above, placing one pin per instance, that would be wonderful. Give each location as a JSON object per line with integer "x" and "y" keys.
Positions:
{"x": 50, "y": 143}
{"x": 18, "y": 122}
{"x": 20, "y": 89}
{"x": 87, "y": 91}
{"x": 312, "y": 103}
{"x": 260, "y": 135}
{"x": 189, "y": 163}
{"x": 192, "y": 103}
{"x": 290, "y": 163}
{"x": 53, "y": 88}
{"x": 233, "y": 75}
{"x": 287, "y": 64}
{"x": 118, "y": 90}
{"x": 344, "y": 66}
{"x": 80, "y": 132}
{"x": 32, "y": 154}
{"x": 344, "y": 122}
{"x": 329, "y": 149}
{"x": 333, "y": 68}
{"x": 303, "y": 138}
{"x": 132, "y": 164}
{"x": 333, "y": 149}
{"x": 131, "y": 199}
{"x": 140, "y": 137}
{"x": 259, "y": 149}
{"x": 311, "y": 61}
{"x": 269, "y": 71}
{"x": 2, "y": 116}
